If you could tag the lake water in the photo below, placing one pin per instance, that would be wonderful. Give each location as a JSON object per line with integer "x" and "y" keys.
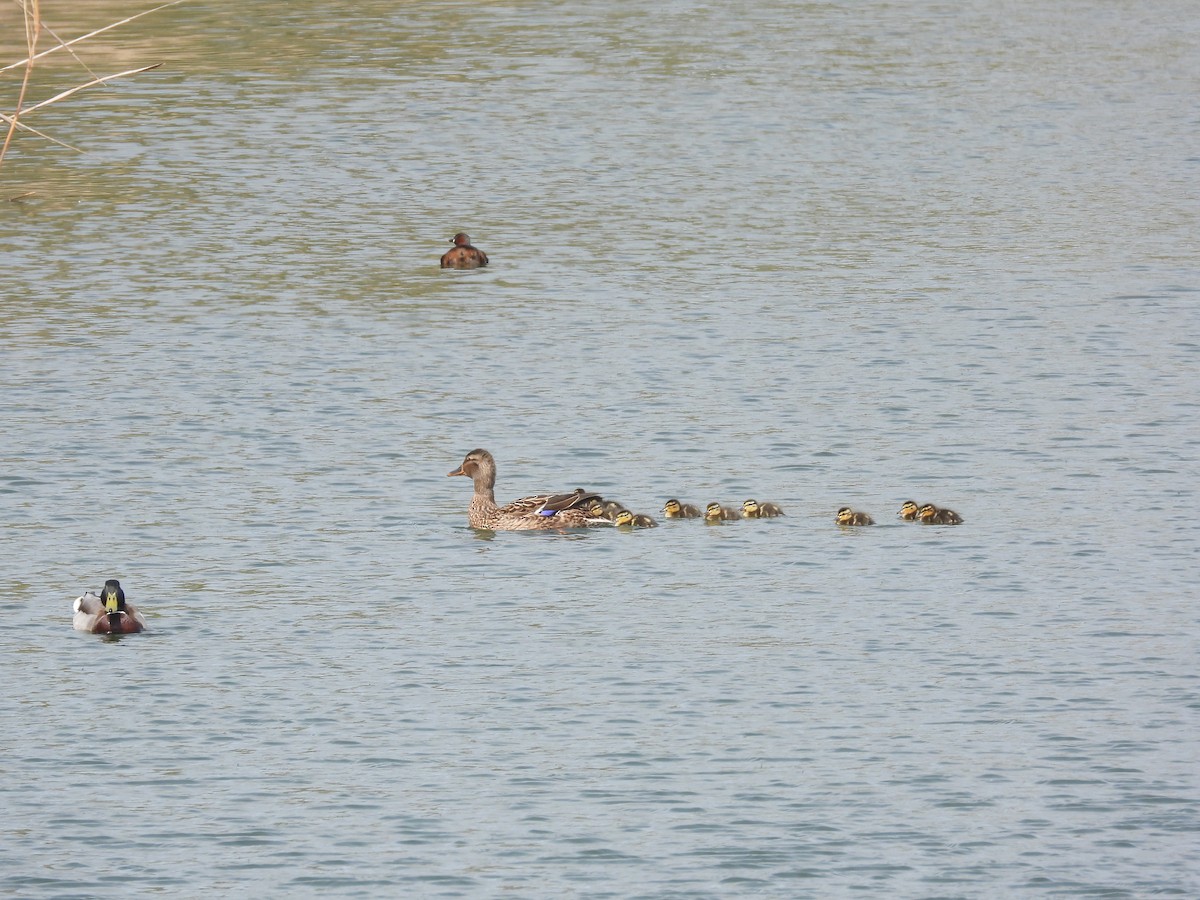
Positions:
{"x": 820, "y": 254}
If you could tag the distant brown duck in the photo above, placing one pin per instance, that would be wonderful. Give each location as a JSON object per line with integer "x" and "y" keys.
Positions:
{"x": 909, "y": 511}
{"x": 463, "y": 256}
{"x": 543, "y": 511}
{"x": 673, "y": 509}
{"x": 847, "y": 516}
{"x": 752, "y": 509}
{"x": 935, "y": 515}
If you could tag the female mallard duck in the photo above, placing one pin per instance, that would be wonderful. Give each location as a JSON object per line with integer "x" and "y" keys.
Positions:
{"x": 909, "y": 511}
{"x": 540, "y": 512}
{"x": 934, "y": 515}
{"x": 109, "y": 613}
{"x": 673, "y": 509}
{"x": 752, "y": 509}
{"x": 715, "y": 512}
{"x": 847, "y": 516}
{"x": 627, "y": 519}
{"x": 463, "y": 256}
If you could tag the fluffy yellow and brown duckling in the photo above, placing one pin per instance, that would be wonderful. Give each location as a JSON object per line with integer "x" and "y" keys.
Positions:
{"x": 909, "y": 511}
{"x": 596, "y": 508}
{"x": 543, "y": 511}
{"x": 109, "y": 613}
{"x": 752, "y": 509}
{"x": 463, "y": 256}
{"x": 847, "y": 516}
{"x": 612, "y": 509}
{"x": 673, "y": 509}
{"x": 627, "y": 519}
{"x": 715, "y": 512}
{"x": 934, "y": 515}
{"x": 605, "y": 509}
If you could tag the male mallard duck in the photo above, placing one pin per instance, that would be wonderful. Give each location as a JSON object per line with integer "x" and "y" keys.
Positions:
{"x": 109, "y": 613}
{"x": 627, "y": 519}
{"x": 463, "y": 256}
{"x": 752, "y": 509}
{"x": 909, "y": 511}
{"x": 673, "y": 509}
{"x": 933, "y": 515}
{"x": 847, "y": 516}
{"x": 715, "y": 512}
{"x": 543, "y": 511}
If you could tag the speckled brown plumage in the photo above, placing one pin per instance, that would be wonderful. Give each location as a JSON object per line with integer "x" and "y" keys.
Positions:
{"x": 540, "y": 512}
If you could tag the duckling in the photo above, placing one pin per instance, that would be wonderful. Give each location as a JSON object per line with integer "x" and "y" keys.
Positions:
{"x": 908, "y": 511}
{"x": 612, "y": 508}
{"x": 463, "y": 256}
{"x": 715, "y": 512}
{"x": 595, "y": 508}
{"x": 847, "y": 516}
{"x": 752, "y": 509}
{"x": 627, "y": 519}
{"x": 673, "y": 509}
{"x": 605, "y": 509}
{"x": 933, "y": 515}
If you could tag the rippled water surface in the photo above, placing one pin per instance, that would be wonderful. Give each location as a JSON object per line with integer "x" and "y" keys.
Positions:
{"x": 821, "y": 254}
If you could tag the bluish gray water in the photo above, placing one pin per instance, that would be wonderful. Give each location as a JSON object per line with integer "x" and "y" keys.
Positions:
{"x": 819, "y": 254}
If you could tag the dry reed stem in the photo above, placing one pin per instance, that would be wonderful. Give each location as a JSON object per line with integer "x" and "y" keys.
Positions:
{"x": 23, "y": 127}
{"x": 62, "y": 45}
{"x": 67, "y": 93}
{"x": 33, "y": 27}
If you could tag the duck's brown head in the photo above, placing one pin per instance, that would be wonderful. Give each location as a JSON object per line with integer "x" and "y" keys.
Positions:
{"x": 479, "y": 466}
